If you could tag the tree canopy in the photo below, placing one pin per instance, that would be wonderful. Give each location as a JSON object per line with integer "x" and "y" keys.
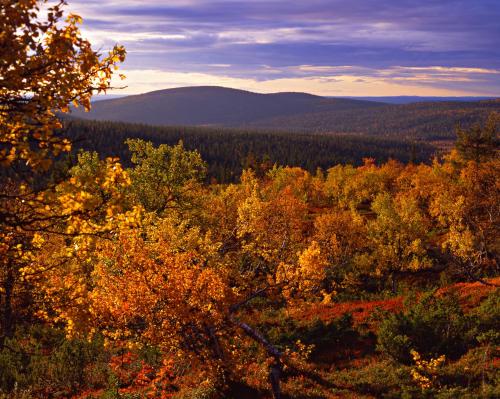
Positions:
{"x": 205, "y": 282}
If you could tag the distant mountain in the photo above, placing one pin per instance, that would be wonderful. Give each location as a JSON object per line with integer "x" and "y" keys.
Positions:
{"x": 210, "y": 105}
{"x": 102, "y": 97}
{"x": 418, "y": 99}
{"x": 291, "y": 112}
{"x": 378, "y": 99}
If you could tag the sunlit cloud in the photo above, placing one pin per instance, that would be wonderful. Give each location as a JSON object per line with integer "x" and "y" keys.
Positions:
{"x": 445, "y": 46}
{"x": 453, "y": 69}
{"x": 141, "y": 81}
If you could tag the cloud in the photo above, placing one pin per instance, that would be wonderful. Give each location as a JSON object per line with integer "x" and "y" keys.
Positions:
{"x": 447, "y": 45}
{"x": 141, "y": 81}
{"x": 441, "y": 69}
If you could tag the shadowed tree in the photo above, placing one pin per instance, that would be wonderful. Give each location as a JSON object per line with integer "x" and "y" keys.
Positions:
{"x": 479, "y": 143}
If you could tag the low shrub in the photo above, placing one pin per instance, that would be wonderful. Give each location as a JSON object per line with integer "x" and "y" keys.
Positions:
{"x": 323, "y": 335}
{"x": 42, "y": 359}
{"x": 432, "y": 326}
{"x": 487, "y": 317}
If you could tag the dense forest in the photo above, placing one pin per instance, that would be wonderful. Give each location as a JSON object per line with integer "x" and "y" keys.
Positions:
{"x": 427, "y": 120}
{"x": 229, "y": 151}
{"x": 140, "y": 278}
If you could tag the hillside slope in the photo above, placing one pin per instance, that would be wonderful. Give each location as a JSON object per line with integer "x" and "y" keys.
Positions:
{"x": 291, "y": 112}
{"x": 434, "y": 120}
{"x": 209, "y": 105}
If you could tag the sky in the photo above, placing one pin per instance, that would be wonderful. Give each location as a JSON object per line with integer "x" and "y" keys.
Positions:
{"x": 324, "y": 47}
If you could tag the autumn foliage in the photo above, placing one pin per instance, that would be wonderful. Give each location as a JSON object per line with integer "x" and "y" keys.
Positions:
{"x": 188, "y": 288}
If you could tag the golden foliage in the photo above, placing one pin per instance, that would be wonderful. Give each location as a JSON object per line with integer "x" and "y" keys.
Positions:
{"x": 46, "y": 66}
{"x": 425, "y": 372}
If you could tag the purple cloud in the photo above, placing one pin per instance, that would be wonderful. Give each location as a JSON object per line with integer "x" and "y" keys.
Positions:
{"x": 373, "y": 35}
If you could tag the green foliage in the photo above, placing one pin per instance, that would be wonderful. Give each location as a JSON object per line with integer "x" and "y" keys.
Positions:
{"x": 228, "y": 151}
{"x": 43, "y": 358}
{"x": 473, "y": 375}
{"x": 17, "y": 394}
{"x": 12, "y": 366}
{"x": 77, "y": 250}
{"x": 205, "y": 391}
{"x": 150, "y": 354}
{"x": 333, "y": 334}
{"x": 399, "y": 236}
{"x": 488, "y": 316}
{"x": 375, "y": 379}
{"x": 479, "y": 143}
{"x": 432, "y": 326}
{"x": 162, "y": 175}
{"x": 88, "y": 165}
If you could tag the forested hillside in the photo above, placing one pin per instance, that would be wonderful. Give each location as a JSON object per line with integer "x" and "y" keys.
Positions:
{"x": 420, "y": 99}
{"x": 292, "y": 112}
{"x": 229, "y": 151}
{"x": 430, "y": 121}
{"x": 212, "y": 105}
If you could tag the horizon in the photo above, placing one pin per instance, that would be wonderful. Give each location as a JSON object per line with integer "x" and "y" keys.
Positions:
{"x": 116, "y": 94}
{"x": 370, "y": 49}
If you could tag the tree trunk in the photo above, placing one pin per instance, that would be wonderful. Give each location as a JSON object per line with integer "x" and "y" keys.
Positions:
{"x": 275, "y": 368}
{"x": 215, "y": 341}
{"x": 274, "y": 378}
{"x": 394, "y": 283}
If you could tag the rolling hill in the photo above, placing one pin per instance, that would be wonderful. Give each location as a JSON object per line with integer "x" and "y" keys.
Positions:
{"x": 207, "y": 105}
{"x": 291, "y": 112}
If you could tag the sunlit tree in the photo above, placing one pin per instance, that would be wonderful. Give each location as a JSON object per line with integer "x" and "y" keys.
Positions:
{"x": 45, "y": 67}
